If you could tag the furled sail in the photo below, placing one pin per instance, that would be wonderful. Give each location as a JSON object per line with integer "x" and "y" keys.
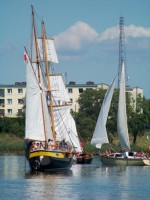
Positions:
{"x": 100, "y": 132}
{"x": 122, "y": 128}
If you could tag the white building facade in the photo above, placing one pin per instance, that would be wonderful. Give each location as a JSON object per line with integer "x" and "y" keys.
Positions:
{"x": 11, "y": 99}
{"x": 74, "y": 90}
{"x": 12, "y": 96}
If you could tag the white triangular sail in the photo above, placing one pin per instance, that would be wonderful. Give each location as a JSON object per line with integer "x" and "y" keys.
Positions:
{"x": 37, "y": 116}
{"x": 100, "y": 132}
{"x": 122, "y": 127}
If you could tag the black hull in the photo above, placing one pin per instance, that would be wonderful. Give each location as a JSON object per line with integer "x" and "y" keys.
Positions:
{"x": 43, "y": 160}
{"x": 84, "y": 159}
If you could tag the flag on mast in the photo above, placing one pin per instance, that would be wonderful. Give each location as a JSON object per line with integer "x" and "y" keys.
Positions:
{"x": 25, "y": 57}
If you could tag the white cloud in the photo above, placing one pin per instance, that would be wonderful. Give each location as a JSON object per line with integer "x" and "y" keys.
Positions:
{"x": 137, "y": 31}
{"x": 130, "y": 31}
{"x": 76, "y": 37}
{"x": 80, "y": 40}
{"x": 109, "y": 34}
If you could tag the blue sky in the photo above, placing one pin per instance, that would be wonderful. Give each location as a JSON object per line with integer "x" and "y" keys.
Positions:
{"x": 86, "y": 35}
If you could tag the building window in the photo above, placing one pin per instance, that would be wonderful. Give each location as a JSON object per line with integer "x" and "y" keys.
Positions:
{"x": 2, "y": 103}
{"x": 9, "y": 91}
{"x": 2, "y": 112}
{"x": 80, "y": 90}
{"x": 9, "y": 111}
{"x": 19, "y": 111}
{"x": 71, "y": 100}
{"x": 20, "y": 101}
{"x": 9, "y": 101}
{"x": 20, "y": 91}
{"x": 2, "y": 92}
{"x": 69, "y": 90}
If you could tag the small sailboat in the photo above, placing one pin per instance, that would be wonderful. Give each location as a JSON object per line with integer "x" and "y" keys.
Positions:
{"x": 83, "y": 156}
{"x": 125, "y": 157}
{"x": 51, "y": 137}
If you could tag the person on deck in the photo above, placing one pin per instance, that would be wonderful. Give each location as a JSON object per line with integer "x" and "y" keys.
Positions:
{"x": 50, "y": 144}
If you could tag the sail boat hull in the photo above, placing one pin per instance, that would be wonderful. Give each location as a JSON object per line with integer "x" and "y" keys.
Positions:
{"x": 44, "y": 160}
{"x": 83, "y": 158}
{"x": 106, "y": 160}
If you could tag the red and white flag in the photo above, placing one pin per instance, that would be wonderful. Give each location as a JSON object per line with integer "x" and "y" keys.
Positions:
{"x": 25, "y": 57}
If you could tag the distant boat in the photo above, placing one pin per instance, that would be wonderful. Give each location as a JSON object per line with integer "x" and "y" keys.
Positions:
{"x": 126, "y": 156}
{"x": 83, "y": 156}
{"x": 51, "y": 137}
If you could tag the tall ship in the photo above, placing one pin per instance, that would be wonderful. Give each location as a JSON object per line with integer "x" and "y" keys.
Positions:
{"x": 51, "y": 138}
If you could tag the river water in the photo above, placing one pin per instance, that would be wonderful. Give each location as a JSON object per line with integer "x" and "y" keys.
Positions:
{"x": 82, "y": 182}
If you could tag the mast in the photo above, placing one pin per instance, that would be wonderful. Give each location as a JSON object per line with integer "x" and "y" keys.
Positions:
{"x": 37, "y": 61}
{"x": 48, "y": 82}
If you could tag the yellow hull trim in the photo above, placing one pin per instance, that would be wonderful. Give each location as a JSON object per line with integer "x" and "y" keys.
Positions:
{"x": 50, "y": 154}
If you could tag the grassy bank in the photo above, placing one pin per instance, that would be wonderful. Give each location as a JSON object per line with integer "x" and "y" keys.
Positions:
{"x": 142, "y": 144}
{"x": 11, "y": 144}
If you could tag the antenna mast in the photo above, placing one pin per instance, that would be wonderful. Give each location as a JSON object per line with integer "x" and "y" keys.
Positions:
{"x": 122, "y": 51}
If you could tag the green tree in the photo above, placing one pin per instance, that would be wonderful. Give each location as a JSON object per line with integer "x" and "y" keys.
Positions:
{"x": 90, "y": 102}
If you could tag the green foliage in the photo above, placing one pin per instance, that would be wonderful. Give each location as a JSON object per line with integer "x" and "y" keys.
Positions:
{"x": 12, "y": 125}
{"x": 9, "y": 143}
{"x": 90, "y": 102}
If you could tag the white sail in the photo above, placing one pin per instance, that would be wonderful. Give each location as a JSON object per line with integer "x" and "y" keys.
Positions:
{"x": 73, "y": 134}
{"x": 59, "y": 93}
{"x": 50, "y": 48}
{"x": 122, "y": 128}
{"x": 36, "y": 107}
{"x": 100, "y": 132}
{"x": 65, "y": 126}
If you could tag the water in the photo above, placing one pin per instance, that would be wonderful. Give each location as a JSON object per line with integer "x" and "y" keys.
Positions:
{"x": 82, "y": 182}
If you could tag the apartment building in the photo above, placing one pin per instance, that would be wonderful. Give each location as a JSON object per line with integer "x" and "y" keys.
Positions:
{"x": 11, "y": 99}
{"x": 74, "y": 90}
{"x": 135, "y": 92}
{"x": 11, "y": 96}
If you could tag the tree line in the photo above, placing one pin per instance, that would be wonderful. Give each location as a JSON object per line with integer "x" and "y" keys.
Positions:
{"x": 90, "y": 102}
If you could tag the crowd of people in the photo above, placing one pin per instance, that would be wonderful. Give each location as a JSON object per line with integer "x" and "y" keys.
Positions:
{"x": 111, "y": 152}
{"x": 49, "y": 145}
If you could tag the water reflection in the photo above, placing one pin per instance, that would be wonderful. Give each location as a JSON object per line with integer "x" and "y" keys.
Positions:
{"x": 49, "y": 174}
{"x": 85, "y": 182}
{"x": 11, "y": 166}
